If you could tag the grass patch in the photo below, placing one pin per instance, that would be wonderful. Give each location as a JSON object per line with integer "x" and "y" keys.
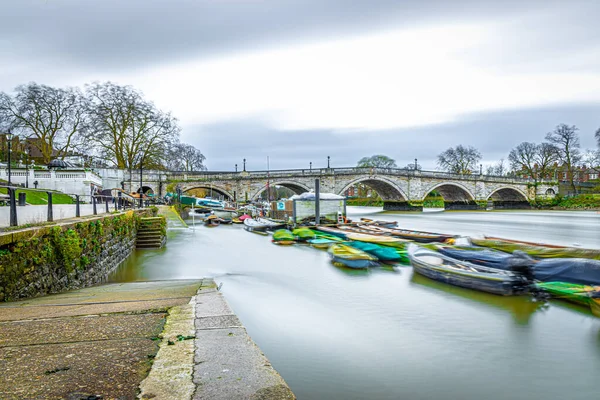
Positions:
{"x": 41, "y": 198}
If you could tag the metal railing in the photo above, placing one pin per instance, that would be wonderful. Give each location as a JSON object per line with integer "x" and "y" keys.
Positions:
{"x": 101, "y": 203}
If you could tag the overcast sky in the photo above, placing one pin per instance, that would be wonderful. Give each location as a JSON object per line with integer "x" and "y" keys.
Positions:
{"x": 298, "y": 80}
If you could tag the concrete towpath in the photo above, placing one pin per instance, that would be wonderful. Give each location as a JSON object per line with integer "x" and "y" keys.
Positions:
{"x": 149, "y": 340}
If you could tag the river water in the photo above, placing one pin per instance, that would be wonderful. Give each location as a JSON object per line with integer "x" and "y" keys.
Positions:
{"x": 392, "y": 334}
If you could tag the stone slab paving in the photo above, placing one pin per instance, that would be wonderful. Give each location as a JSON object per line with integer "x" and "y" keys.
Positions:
{"x": 96, "y": 341}
{"x": 228, "y": 364}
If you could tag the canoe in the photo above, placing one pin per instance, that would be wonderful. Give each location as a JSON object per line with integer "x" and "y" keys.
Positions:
{"x": 237, "y": 221}
{"x": 361, "y": 237}
{"x": 225, "y": 214}
{"x": 346, "y": 256}
{"x": 464, "y": 274}
{"x": 304, "y": 234}
{"x": 415, "y": 236}
{"x": 538, "y": 251}
{"x": 553, "y": 246}
{"x": 384, "y": 224}
{"x": 321, "y": 243}
{"x": 283, "y": 235}
{"x": 382, "y": 253}
{"x": 580, "y": 294}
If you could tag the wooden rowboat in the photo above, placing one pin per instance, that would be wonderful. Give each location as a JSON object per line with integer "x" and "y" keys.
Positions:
{"x": 346, "y": 256}
{"x": 464, "y": 274}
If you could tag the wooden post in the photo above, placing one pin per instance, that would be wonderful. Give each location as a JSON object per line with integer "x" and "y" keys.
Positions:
{"x": 77, "y": 211}
{"x": 13, "y": 206}
{"x": 50, "y": 215}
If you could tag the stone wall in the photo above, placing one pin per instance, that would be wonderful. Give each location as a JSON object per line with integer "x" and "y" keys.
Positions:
{"x": 51, "y": 259}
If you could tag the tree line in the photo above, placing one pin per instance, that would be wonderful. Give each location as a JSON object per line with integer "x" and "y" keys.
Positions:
{"x": 107, "y": 124}
{"x": 534, "y": 160}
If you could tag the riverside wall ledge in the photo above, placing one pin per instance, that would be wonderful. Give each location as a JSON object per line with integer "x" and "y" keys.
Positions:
{"x": 168, "y": 340}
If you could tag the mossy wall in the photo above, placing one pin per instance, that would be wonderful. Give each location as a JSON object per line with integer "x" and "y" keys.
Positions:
{"x": 51, "y": 259}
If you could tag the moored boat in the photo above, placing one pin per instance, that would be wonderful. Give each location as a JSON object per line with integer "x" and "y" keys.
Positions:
{"x": 382, "y": 253}
{"x": 581, "y": 294}
{"x": 362, "y": 237}
{"x": 415, "y": 236}
{"x": 461, "y": 273}
{"x": 304, "y": 234}
{"x": 261, "y": 224}
{"x": 283, "y": 237}
{"x": 537, "y": 251}
{"x": 347, "y": 256}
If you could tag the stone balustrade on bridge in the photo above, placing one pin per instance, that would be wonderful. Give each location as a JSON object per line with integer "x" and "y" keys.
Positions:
{"x": 400, "y": 189}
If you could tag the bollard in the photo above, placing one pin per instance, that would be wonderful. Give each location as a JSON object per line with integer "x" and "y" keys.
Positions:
{"x": 22, "y": 199}
{"x": 77, "y": 211}
{"x": 116, "y": 204}
{"x": 107, "y": 210}
{"x": 50, "y": 216}
{"x": 317, "y": 202}
{"x": 13, "y": 207}
{"x": 94, "y": 205}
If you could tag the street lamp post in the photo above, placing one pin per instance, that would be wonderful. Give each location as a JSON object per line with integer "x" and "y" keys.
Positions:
{"x": 235, "y": 167}
{"x": 328, "y": 158}
{"x": 244, "y": 164}
{"x": 9, "y": 137}
{"x": 27, "y": 168}
{"x": 141, "y": 181}
{"x": 310, "y": 166}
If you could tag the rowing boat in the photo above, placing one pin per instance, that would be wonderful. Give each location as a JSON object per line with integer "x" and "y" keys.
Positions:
{"x": 464, "y": 274}
{"x": 415, "y": 236}
{"x": 361, "y": 237}
{"x": 538, "y": 251}
{"x": 580, "y": 294}
{"x": 346, "y": 256}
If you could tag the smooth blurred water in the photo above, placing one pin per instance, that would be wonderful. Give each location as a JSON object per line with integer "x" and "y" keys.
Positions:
{"x": 392, "y": 334}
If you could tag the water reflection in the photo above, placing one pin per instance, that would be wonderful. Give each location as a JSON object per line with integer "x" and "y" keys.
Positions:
{"x": 521, "y": 307}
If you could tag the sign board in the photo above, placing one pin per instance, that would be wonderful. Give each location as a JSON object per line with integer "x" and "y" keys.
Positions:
{"x": 280, "y": 206}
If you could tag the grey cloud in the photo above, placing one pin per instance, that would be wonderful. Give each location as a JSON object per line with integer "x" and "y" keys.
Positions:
{"x": 117, "y": 34}
{"x": 494, "y": 134}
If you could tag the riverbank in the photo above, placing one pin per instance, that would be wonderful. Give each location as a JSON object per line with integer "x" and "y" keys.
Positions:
{"x": 102, "y": 342}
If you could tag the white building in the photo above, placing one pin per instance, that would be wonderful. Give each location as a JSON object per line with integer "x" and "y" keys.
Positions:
{"x": 75, "y": 181}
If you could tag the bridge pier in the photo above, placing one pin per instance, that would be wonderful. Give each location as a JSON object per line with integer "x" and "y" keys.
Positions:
{"x": 400, "y": 206}
{"x": 511, "y": 205}
{"x": 461, "y": 205}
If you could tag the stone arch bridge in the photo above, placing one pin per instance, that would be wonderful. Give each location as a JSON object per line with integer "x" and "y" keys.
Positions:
{"x": 400, "y": 189}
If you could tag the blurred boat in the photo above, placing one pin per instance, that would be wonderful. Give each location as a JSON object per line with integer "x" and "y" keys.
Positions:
{"x": 347, "y": 256}
{"x": 362, "y": 237}
{"x": 415, "y": 236}
{"x": 538, "y": 251}
{"x": 261, "y": 224}
{"x": 581, "y": 294}
{"x": 382, "y": 253}
{"x": 304, "y": 234}
{"x": 461, "y": 273}
{"x": 283, "y": 237}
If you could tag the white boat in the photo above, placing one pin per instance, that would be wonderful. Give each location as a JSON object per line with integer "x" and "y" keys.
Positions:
{"x": 225, "y": 214}
{"x": 261, "y": 224}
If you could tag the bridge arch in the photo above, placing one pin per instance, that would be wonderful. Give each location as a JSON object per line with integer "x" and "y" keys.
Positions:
{"x": 451, "y": 192}
{"x": 215, "y": 189}
{"x": 296, "y": 187}
{"x": 507, "y": 193}
{"x": 386, "y": 188}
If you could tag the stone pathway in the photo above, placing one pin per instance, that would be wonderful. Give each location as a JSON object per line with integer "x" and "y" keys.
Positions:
{"x": 99, "y": 341}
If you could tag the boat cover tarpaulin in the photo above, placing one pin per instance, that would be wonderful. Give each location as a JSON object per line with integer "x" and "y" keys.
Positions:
{"x": 574, "y": 270}
{"x": 487, "y": 258}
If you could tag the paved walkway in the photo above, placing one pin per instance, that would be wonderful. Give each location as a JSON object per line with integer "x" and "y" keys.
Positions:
{"x": 150, "y": 340}
{"x": 97, "y": 341}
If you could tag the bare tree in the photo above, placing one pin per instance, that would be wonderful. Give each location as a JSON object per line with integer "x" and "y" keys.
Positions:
{"x": 126, "y": 128}
{"x": 498, "y": 169}
{"x": 597, "y": 135}
{"x": 460, "y": 159}
{"x": 522, "y": 158}
{"x": 185, "y": 157}
{"x": 566, "y": 141}
{"x": 51, "y": 116}
{"x": 592, "y": 158}
{"x": 546, "y": 157}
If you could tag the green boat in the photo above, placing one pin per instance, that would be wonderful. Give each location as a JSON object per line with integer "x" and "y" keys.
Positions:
{"x": 538, "y": 251}
{"x": 283, "y": 237}
{"x": 304, "y": 234}
{"x": 575, "y": 293}
{"x": 346, "y": 256}
{"x": 383, "y": 253}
